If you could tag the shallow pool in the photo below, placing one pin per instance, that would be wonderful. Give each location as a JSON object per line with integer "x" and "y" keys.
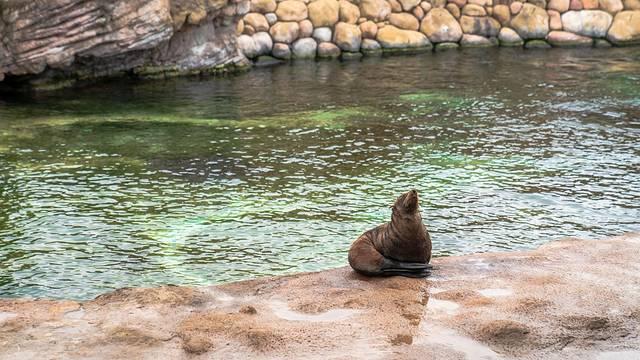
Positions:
{"x": 202, "y": 181}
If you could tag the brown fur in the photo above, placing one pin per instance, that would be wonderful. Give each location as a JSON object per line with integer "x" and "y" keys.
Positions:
{"x": 404, "y": 239}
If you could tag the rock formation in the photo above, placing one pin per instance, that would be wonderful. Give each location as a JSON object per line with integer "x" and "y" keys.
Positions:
{"x": 570, "y": 299}
{"x": 92, "y": 38}
{"x": 80, "y": 39}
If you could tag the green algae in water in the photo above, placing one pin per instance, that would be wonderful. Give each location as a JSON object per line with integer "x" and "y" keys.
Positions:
{"x": 202, "y": 183}
{"x": 127, "y": 141}
{"x": 624, "y": 85}
{"x": 435, "y": 100}
{"x": 331, "y": 118}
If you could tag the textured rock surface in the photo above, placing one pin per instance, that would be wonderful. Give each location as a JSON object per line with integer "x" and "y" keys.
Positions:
{"x": 304, "y": 49}
{"x": 369, "y": 29}
{"x": 390, "y": 37}
{"x": 625, "y": 29}
{"x": 306, "y": 28}
{"x": 370, "y": 45}
{"x": 404, "y": 21}
{"x": 375, "y": 10}
{"x": 592, "y": 23}
{"x": 285, "y": 32}
{"x": 292, "y": 10}
{"x": 570, "y": 299}
{"x": 328, "y": 50}
{"x": 471, "y": 41}
{"x": 281, "y": 51}
{"x": 324, "y": 12}
{"x": 97, "y": 38}
{"x": 558, "y": 5}
{"x": 440, "y": 26}
{"x": 555, "y": 21}
{"x": 83, "y": 39}
{"x": 567, "y": 39}
{"x": 257, "y": 21}
{"x": 349, "y": 12}
{"x": 508, "y": 37}
{"x": 473, "y": 10}
{"x": 480, "y": 25}
{"x": 263, "y": 6}
{"x": 347, "y": 36}
{"x": 322, "y": 34}
{"x": 248, "y": 46}
{"x": 611, "y": 6}
{"x": 532, "y": 22}
{"x": 502, "y": 14}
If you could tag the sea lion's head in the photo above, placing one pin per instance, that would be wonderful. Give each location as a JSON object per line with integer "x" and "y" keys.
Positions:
{"x": 407, "y": 203}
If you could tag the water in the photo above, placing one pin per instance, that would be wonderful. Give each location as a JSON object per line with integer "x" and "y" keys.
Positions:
{"x": 202, "y": 181}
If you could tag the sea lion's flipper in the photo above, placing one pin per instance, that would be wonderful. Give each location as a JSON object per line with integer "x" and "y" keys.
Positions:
{"x": 392, "y": 267}
{"x": 406, "y": 273}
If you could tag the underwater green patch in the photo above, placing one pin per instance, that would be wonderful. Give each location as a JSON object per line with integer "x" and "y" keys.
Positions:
{"x": 331, "y": 118}
{"x": 441, "y": 99}
{"x": 627, "y": 86}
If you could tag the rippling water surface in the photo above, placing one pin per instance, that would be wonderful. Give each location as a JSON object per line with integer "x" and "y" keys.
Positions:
{"x": 201, "y": 181}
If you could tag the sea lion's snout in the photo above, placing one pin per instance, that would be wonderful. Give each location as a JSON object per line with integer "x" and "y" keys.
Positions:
{"x": 410, "y": 201}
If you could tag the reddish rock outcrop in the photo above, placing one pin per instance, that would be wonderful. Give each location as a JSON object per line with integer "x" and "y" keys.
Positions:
{"x": 570, "y": 299}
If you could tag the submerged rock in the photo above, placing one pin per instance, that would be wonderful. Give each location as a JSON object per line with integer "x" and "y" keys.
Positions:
{"x": 349, "y": 55}
{"x": 537, "y": 44}
{"x": 601, "y": 43}
{"x": 446, "y": 46}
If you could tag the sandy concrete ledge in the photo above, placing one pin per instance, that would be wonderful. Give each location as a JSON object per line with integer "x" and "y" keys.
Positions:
{"x": 568, "y": 299}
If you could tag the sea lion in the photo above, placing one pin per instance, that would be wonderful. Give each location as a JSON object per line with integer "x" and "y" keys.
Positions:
{"x": 399, "y": 247}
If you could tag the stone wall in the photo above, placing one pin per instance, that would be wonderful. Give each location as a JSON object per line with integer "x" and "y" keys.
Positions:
{"x": 346, "y": 28}
{"x": 60, "y": 41}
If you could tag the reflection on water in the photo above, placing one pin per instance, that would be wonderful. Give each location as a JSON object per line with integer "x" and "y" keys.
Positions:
{"x": 277, "y": 170}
